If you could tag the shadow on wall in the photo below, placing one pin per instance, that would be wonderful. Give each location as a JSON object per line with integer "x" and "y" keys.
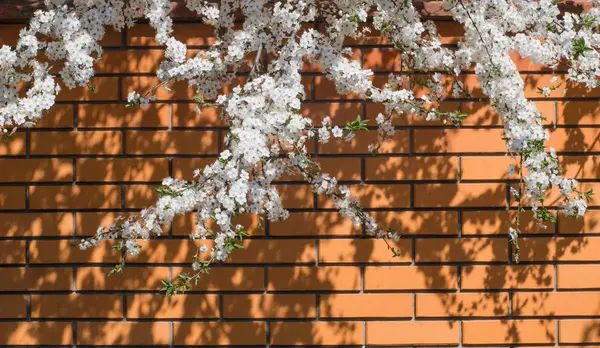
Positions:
{"x": 311, "y": 266}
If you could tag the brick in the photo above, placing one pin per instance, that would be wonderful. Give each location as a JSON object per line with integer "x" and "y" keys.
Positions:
{"x": 230, "y": 279}
{"x": 574, "y": 139}
{"x": 36, "y": 224}
{"x": 10, "y": 33}
{"x": 183, "y": 168}
{"x": 13, "y": 306}
{"x": 381, "y": 59}
{"x": 575, "y": 112}
{"x": 458, "y": 140}
{"x": 149, "y": 306}
{"x": 376, "y": 196}
{"x": 123, "y": 333}
{"x": 498, "y": 222}
{"x": 219, "y": 333}
{"x": 577, "y": 276}
{"x": 313, "y": 278}
{"x": 134, "y": 279}
{"x": 145, "y": 84}
{"x": 106, "y": 88}
{"x": 63, "y": 251}
{"x": 470, "y": 84}
{"x": 411, "y": 278}
{"x": 525, "y": 64}
{"x": 560, "y": 249}
{"x": 419, "y": 222}
{"x": 76, "y": 143}
{"x": 112, "y": 37}
{"x": 566, "y": 90}
{"x": 450, "y": 32}
{"x": 121, "y": 116}
{"x": 296, "y": 196}
{"x": 86, "y": 224}
{"x": 36, "y": 333}
{"x": 366, "y": 306}
{"x": 269, "y": 306}
{"x": 553, "y": 196}
{"x": 343, "y": 169}
{"x": 317, "y": 333}
{"x": 507, "y": 277}
{"x": 59, "y": 116}
{"x": 411, "y": 168}
{"x": 314, "y": 224}
{"x": 579, "y": 331}
{"x": 12, "y": 251}
{"x": 129, "y": 61}
{"x": 186, "y": 224}
{"x": 462, "y": 250}
{"x": 76, "y": 306}
{"x": 186, "y": 115}
{"x": 580, "y": 167}
{"x": 122, "y": 169}
{"x": 556, "y": 304}
{"x": 12, "y": 197}
{"x": 359, "y": 145}
{"x": 140, "y": 196}
{"x": 36, "y": 170}
{"x": 75, "y": 197}
{"x": 325, "y": 90}
{"x": 509, "y": 332}
{"x": 412, "y": 333}
{"x": 171, "y": 142}
{"x": 276, "y": 251}
{"x": 15, "y": 146}
{"x": 339, "y": 112}
{"x": 462, "y": 305}
{"x": 460, "y": 195}
{"x": 36, "y": 279}
{"x": 483, "y": 114}
{"x": 192, "y": 34}
{"x": 486, "y": 168}
{"x": 165, "y": 250}
{"x": 480, "y": 114}
{"x": 372, "y": 110}
{"x": 363, "y": 251}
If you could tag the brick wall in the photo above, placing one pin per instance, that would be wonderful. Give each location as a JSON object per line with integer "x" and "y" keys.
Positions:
{"x": 314, "y": 279}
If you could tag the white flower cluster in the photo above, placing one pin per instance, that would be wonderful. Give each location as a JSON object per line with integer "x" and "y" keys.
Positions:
{"x": 267, "y": 132}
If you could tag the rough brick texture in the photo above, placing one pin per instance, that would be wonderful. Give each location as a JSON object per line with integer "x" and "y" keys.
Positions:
{"x": 314, "y": 279}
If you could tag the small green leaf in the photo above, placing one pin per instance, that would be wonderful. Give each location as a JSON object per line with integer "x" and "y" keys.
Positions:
{"x": 166, "y": 191}
{"x": 356, "y": 125}
{"x": 544, "y": 215}
{"x": 354, "y": 19}
{"x": 117, "y": 269}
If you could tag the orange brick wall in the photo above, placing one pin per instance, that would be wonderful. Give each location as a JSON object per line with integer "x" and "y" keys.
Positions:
{"x": 314, "y": 279}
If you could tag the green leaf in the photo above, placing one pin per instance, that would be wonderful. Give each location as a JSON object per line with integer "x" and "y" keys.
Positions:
{"x": 354, "y": 19}
{"x": 579, "y": 47}
{"x": 356, "y": 125}
{"x": 166, "y": 191}
{"x": 117, "y": 269}
{"x": 118, "y": 246}
{"x": 588, "y": 194}
{"x": 588, "y": 22}
{"x": 544, "y": 215}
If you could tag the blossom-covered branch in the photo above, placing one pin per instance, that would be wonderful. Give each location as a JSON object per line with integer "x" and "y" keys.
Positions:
{"x": 267, "y": 133}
